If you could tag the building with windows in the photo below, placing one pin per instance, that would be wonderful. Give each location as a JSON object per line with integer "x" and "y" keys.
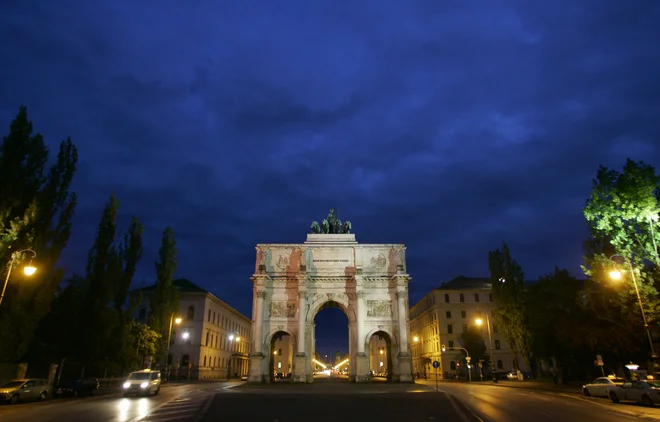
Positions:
{"x": 212, "y": 339}
{"x": 443, "y": 315}
{"x": 378, "y": 355}
{"x": 283, "y": 355}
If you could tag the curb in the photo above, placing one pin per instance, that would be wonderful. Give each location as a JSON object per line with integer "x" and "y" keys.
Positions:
{"x": 616, "y": 409}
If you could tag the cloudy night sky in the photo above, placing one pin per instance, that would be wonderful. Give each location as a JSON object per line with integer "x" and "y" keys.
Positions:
{"x": 450, "y": 126}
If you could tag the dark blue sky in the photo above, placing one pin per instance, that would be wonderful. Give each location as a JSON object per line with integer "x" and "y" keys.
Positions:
{"x": 449, "y": 126}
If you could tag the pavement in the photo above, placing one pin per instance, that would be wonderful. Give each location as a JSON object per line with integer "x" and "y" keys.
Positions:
{"x": 329, "y": 399}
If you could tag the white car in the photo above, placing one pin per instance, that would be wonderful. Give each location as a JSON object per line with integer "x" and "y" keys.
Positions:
{"x": 599, "y": 386}
{"x": 142, "y": 383}
{"x": 645, "y": 392}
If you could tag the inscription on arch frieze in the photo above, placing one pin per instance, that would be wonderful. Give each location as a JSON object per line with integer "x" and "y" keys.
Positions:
{"x": 379, "y": 308}
{"x": 281, "y": 309}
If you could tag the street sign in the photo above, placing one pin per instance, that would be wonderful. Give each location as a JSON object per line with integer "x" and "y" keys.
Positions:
{"x": 436, "y": 364}
{"x": 599, "y": 360}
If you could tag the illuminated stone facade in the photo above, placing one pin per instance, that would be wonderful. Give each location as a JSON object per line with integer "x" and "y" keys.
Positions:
{"x": 293, "y": 282}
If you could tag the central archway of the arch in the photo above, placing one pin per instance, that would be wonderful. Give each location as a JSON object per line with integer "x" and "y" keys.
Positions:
{"x": 292, "y": 282}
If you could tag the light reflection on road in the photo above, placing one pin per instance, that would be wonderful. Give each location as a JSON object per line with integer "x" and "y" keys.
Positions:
{"x": 129, "y": 409}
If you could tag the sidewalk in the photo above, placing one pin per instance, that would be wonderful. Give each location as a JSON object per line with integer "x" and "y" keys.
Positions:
{"x": 572, "y": 388}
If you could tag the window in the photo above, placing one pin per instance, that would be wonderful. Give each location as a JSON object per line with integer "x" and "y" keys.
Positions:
{"x": 279, "y": 352}
{"x": 461, "y": 298}
{"x": 209, "y": 318}
{"x": 208, "y": 337}
{"x": 476, "y": 297}
{"x": 490, "y": 297}
{"x": 450, "y": 329}
{"x": 500, "y": 365}
{"x": 463, "y": 314}
{"x": 446, "y": 297}
{"x": 451, "y": 344}
{"x": 185, "y": 360}
{"x": 452, "y": 365}
{"x": 497, "y": 345}
{"x": 204, "y": 360}
{"x": 448, "y": 313}
{"x": 191, "y": 313}
{"x": 143, "y": 313}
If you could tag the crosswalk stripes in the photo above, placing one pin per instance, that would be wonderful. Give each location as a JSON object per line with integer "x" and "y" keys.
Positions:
{"x": 182, "y": 408}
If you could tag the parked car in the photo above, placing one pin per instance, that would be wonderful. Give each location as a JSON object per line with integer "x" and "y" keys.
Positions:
{"x": 143, "y": 382}
{"x": 599, "y": 386}
{"x": 645, "y": 392}
{"x": 25, "y": 390}
{"x": 78, "y": 387}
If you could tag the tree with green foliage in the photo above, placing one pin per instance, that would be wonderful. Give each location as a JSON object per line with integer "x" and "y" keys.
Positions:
{"x": 510, "y": 315}
{"x": 36, "y": 209}
{"x": 103, "y": 271}
{"x": 130, "y": 253}
{"x": 622, "y": 215}
{"x": 165, "y": 300}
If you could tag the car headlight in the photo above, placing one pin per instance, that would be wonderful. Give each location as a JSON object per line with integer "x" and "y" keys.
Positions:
{"x": 127, "y": 384}
{"x": 144, "y": 384}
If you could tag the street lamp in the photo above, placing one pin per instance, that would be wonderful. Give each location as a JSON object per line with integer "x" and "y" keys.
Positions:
{"x": 29, "y": 269}
{"x": 616, "y": 275}
{"x": 177, "y": 321}
{"x": 479, "y": 321}
{"x": 232, "y": 338}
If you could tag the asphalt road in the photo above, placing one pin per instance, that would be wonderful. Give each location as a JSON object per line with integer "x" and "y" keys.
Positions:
{"x": 334, "y": 399}
{"x": 175, "y": 401}
{"x": 508, "y": 403}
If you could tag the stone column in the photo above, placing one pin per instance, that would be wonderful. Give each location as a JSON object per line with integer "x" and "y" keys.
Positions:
{"x": 300, "y": 360}
{"x": 258, "y": 373}
{"x": 258, "y": 322}
{"x": 361, "y": 316}
{"x": 302, "y": 295}
{"x": 361, "y": 358}
{"x": 403, "y": 322}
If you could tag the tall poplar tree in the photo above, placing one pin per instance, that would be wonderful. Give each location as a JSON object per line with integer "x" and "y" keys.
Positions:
{"x": 103, "y": 271}
{"x": 36, "y": 209}
{"x": 507, "y": 279}
{"x": 622, "y": 213}
{"x": 165, "y": 300}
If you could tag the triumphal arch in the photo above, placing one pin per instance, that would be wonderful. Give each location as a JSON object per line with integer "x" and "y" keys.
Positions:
{"x": 293, "y": 282}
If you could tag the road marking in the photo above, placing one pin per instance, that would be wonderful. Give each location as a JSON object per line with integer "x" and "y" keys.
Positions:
{"x": 184, "y": 407}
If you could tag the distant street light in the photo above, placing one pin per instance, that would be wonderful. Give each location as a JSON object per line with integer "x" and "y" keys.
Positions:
{"x": 479, "y": 321}
{"x": 177, "y": 321}
{"x": 616, "y": 275}
{"x": 28, "y": 269}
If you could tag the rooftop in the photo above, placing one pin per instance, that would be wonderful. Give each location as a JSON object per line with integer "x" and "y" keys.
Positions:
{"x": 462, "y": 282}
{"x": 182, "y": 284}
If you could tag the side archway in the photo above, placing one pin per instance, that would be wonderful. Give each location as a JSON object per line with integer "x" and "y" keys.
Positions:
{"x": 280, "y": 353}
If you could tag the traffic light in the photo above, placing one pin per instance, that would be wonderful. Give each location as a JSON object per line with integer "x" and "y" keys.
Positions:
{"x": 443, "y": 348}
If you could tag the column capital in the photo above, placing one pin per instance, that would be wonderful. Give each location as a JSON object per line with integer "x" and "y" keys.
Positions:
{"x": 302, "y": 294}
{"x": 401, "y": 294}
{"x": 260, "y": 294}
{"x": 361, "y": 294}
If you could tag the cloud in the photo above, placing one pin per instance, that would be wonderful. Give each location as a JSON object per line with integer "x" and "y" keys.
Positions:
{"x": 447, "y": 126}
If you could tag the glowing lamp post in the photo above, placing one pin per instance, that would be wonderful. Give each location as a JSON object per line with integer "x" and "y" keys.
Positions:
{"x": 28, "y": 269}
{"x": 176, "y": 321}
{"x": 479, "y": 321}
{"x": 615, "y": 274}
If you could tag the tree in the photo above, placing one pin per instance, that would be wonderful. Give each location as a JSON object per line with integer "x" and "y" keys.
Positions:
{"x": 36, "y": 209}
{"x": 130, "y": 253}
{"x": 165, "y": 300}
{"x": 507, "y": 279}
{"x": 103, "y": 271}
{"x": 622, "y": 215}
{"x": 473, "y": 341}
